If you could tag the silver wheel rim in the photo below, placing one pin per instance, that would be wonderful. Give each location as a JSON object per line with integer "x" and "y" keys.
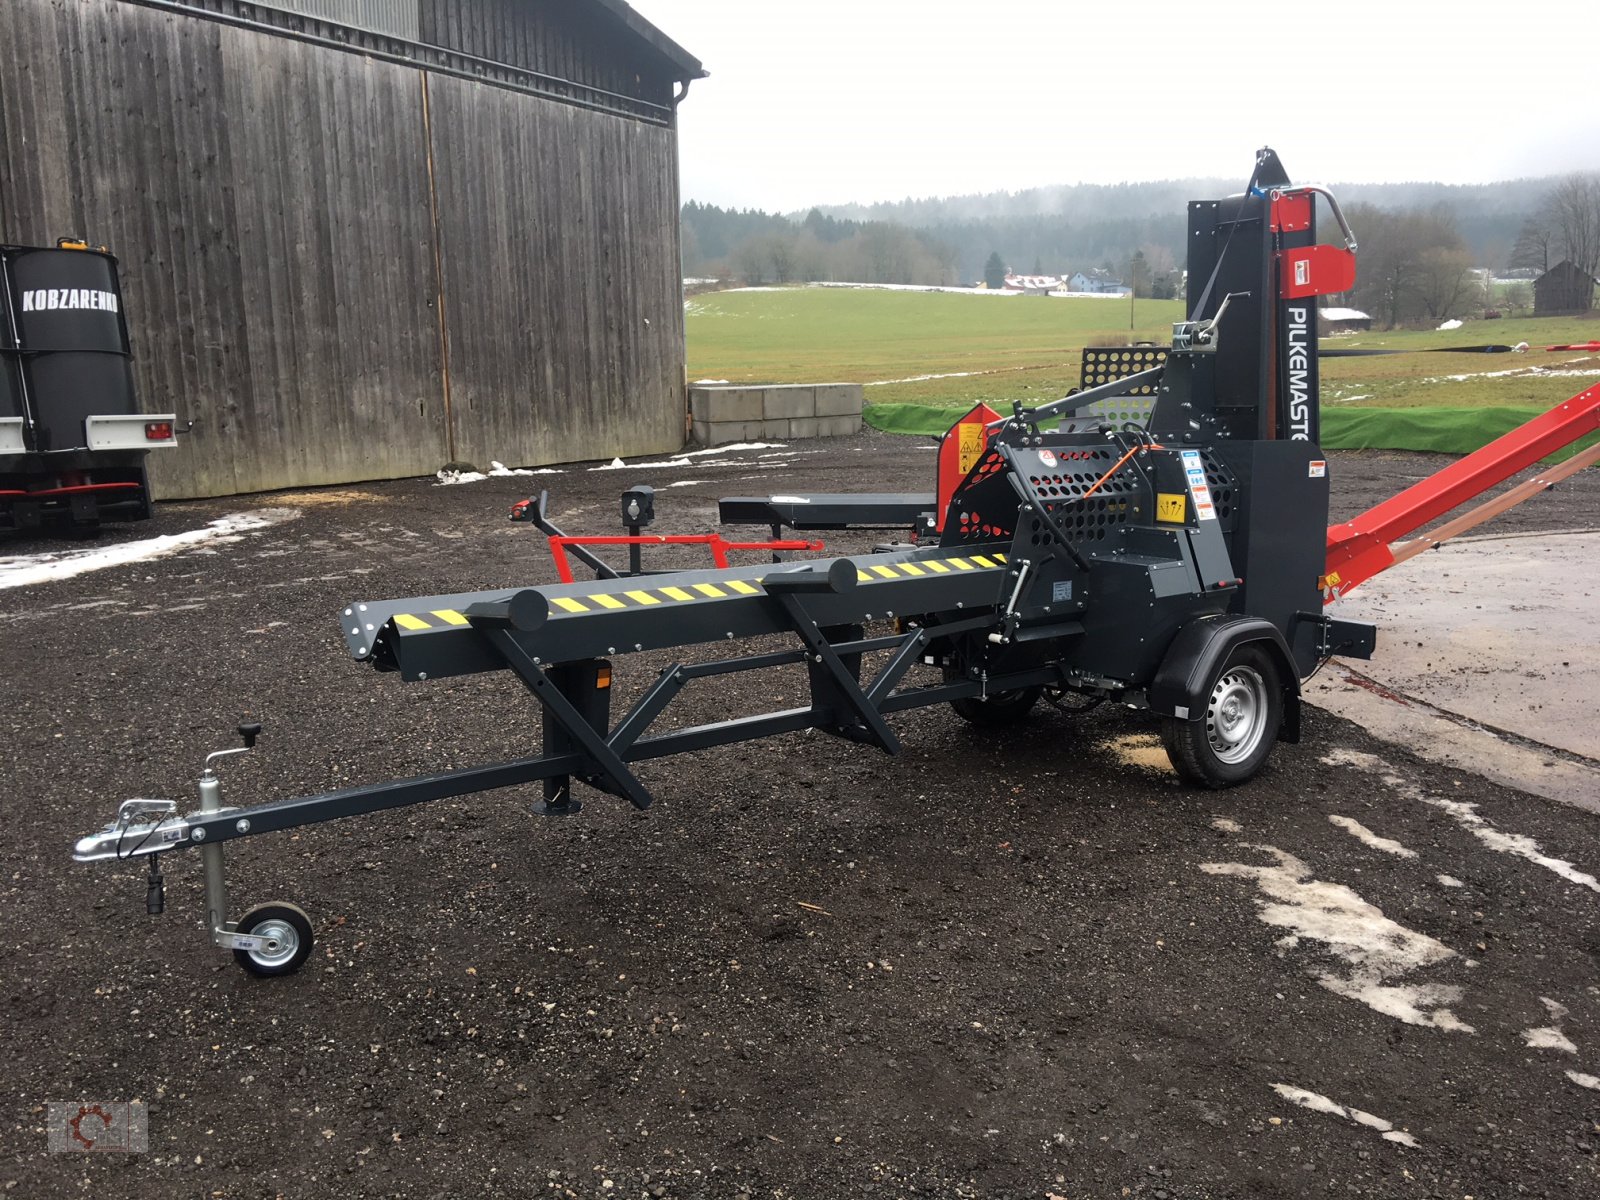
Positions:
{"x": 1236, "y": 716}
{"x": 280, "y": 942}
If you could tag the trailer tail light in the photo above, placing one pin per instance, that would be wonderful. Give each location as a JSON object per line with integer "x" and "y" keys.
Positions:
{"x": 158, "y": 431}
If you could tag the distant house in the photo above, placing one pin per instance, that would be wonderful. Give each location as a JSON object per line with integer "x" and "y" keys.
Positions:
{"x": 1344, "y": 320}
{"x": 1563, "y": 289}
{"x": 1097, "y": 280}
{"x": 1033, "y": 285}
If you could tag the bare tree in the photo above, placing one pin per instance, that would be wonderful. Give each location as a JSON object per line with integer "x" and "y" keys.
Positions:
{"x": 1534, "y": 245}
{"x": 1574, "y": 209}
{"x": 1446, "y": 284}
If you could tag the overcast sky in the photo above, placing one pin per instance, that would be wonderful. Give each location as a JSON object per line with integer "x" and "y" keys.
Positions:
{"x": 829, "y": 101}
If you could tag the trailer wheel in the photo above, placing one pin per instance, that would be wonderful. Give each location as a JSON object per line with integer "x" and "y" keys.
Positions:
{"x": 1232, "y": 738}
{"x": 997, "y": 708}
{"x": 287, "y": 939}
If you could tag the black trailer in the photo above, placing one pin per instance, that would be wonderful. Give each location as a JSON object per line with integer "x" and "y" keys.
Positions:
{"x": 1159, "y": 540}
{"x": 72, "y": 439}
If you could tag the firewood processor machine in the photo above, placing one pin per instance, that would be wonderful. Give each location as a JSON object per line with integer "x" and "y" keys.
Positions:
{"x": 1159, "y": 539}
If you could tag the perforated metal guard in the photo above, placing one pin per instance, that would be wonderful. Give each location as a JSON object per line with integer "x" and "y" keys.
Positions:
{"x": 1103, "y": 364}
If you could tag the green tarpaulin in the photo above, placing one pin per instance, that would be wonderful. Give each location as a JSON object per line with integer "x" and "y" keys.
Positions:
{"x": 1443, "y": 430}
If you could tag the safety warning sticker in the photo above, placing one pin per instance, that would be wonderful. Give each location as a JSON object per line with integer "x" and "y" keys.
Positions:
{"x": 973, "y": 439}
{"x": 1318, "y": 468}
{"x": 1195, "y": 475}
{"x": 1171, "y": 507}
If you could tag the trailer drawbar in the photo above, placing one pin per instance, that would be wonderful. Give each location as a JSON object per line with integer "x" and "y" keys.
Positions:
{"x": 1158, "y": 539}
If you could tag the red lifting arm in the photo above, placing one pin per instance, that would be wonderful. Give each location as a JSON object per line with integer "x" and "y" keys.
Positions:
{"x": 1360, "y": 549}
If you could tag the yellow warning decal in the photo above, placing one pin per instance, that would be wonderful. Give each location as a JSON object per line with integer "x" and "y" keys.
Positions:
{"x": 972, "y": 439}
{"x": 886, "y": 572}
{"x": 406, "y": 621}
{"x": 862, "y": 576}
{"x": 934, "y": 565}
{"x": 743, "y": 588}
{"x": 571, "y": 605}
{"x": 605, "y": 601}
{"x": 712, "y": 590}
{"x": 961, "y": 564}
{"x": 675, "y": 593}
{"x": 912, "y": 569}
{"x": 1171, "y": 507}
{"x": 450, "y": 616}
{"x": 982, "y": 561}
{"x": 642, "y": 597}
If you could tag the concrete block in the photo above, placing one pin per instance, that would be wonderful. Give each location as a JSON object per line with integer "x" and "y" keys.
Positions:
{"x": 790, "y": 400}
{"x": 726, "y": 403}
{"x": 774, "y": 429}
{"x": 720, "y": 433}
{"x": 802, "y": 427}
{"x": 842, "y": 426}
{"x": 838, "y": 399}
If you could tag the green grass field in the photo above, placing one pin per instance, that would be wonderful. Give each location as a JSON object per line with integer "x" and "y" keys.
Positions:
{"x": 1029, "y": 348}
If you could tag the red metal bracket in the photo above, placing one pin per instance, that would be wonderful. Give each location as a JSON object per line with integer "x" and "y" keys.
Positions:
{"x": 1360, "y": 549}
{"x": 719, "y": 546}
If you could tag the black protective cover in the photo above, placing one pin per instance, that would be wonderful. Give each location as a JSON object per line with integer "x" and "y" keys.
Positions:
{"x": 69, "y": 359}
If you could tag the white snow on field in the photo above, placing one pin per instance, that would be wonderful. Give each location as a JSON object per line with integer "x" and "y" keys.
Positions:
{"x": 1449, "y": 881}
{"x": 686, "y": 458}
{"x": 1466, "y": 816}
{"x": 497, "y": 470}
{"x": 26, "y": 569}
{"x": 1380, "y": 952}
{"x": 1451, "y": 324}
{"x": 1318, "y": 1103}
{"x": 1582, "y": 1080}
{"x": 1550, "y": 1037}
{"x": 922, "y": 378}
{"x": 1361, "y": 833}
{"x": 1226, "y": 824}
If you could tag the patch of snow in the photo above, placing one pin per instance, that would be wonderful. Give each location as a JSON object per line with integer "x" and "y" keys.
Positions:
{"x": 500, "y": 470}
{"x": 1319, "y": 1103}
{"x": 708, "y": 382}
{"x": 1226, "y": 824}
{"x": 1467, "y": 817}
{"x": 683, "y": 457}
{"x": 447, "y": 478}
{"x": 27, "y": 569}
{"x": 1588, "y": 1081}
{"x": 1449, "y": 881}
{"x": 1451, "y": 324}
{"x": 1379, "y": 951}
{"x": 1362, "y": 834}
{"x": 688, "y": 482}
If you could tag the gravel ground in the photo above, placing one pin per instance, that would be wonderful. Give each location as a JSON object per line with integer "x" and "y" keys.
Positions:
{"x": 1014, "y": 964}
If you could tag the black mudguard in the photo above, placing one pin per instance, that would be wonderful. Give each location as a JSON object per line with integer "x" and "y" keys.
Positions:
{"x": 1183, "y": 680}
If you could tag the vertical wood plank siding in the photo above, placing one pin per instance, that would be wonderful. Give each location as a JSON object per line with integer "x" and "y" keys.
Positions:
{"x": 561, "y": 278}
{"x": 269, "y": 201}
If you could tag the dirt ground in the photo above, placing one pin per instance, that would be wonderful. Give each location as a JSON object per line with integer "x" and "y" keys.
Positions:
{"x": 1014, "y": 964}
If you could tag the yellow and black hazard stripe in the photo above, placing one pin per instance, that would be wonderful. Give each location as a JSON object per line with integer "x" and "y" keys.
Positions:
{"x": 723, "y": 589}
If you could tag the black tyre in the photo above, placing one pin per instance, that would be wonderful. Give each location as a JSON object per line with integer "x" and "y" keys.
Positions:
{"x": 285, "y": 933}
{"x": 997, "y": 708}
{"x": 1233, "y": 736}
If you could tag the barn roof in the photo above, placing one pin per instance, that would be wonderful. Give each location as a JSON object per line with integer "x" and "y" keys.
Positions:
{"x": 685, "y": 66}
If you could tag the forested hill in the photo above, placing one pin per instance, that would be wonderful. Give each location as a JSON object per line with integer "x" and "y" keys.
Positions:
{"x": 1061, "y": 229}
{"x": 1092, "y": 222}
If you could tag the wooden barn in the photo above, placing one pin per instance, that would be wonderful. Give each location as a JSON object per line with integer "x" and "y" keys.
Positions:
{"x": 361, "y": 238}
{"x": 1564, "y": 289}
